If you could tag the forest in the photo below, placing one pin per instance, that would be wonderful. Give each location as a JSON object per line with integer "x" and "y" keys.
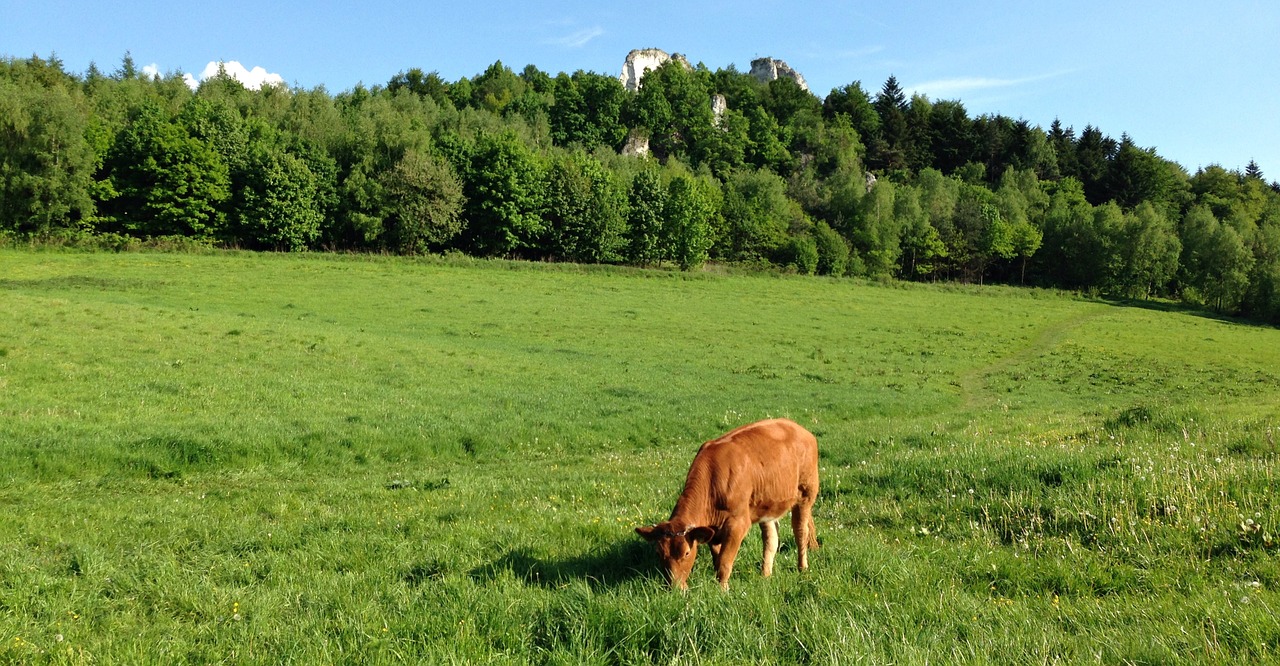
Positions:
{"x": 864, "y": 182}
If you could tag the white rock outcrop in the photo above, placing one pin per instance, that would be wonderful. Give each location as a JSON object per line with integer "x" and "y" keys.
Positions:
{"x": 640, "y": 61}
{"x": 718, "y": 106}
{"x": 637, "y": 144}
{"x": 768, "y": 69}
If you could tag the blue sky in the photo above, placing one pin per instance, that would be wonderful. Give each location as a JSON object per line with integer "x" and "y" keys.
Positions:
{"x": 1199, "y": 81}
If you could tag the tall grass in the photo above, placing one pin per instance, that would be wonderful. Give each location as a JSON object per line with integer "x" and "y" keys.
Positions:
{"x": 242, "y": 458}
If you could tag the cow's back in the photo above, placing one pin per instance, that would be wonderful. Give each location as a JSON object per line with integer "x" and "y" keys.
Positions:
{"x": 771, "y": 462}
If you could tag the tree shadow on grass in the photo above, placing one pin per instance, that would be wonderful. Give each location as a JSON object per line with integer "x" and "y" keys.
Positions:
{"x": 1187, "y": 309}
{"x": 604, "y": 567}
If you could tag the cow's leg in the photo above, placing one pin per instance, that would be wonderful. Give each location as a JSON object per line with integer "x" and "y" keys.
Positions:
{"x": 801, "y": 523}
{"x": 769, "y": 534}
{"x": 734, "y": 533}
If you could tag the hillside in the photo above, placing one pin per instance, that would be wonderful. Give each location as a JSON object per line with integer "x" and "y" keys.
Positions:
{"x": 530, "y": 165}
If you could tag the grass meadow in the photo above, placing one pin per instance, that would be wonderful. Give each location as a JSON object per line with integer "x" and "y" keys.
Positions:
{"x": 249, "y": 458}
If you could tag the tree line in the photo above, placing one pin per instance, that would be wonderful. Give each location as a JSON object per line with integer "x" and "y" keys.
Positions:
{"x": 530, "y": 165}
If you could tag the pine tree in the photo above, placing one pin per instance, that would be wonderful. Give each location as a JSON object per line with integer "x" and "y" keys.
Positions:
{"x": 891, "y": 104}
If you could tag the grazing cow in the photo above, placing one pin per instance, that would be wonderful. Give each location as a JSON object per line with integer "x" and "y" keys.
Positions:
{"x": 751, "y": 476}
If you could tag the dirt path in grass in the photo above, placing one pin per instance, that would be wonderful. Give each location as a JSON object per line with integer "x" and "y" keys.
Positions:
{"x": 974, "y": 391}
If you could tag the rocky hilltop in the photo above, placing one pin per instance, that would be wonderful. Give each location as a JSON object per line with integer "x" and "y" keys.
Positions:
{"x": 768, "y": 69}
{"x": 640, "y": 61}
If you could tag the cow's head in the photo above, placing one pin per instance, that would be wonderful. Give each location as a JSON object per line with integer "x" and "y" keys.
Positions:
{"x": 677, "y": 545}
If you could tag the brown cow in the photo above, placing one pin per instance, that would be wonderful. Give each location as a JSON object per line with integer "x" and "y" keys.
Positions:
{"x": 752, "y": 475}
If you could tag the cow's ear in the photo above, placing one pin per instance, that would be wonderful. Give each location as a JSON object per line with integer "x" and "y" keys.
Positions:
{"x": 700, "y": 534}
{"x": 649, "y": 533}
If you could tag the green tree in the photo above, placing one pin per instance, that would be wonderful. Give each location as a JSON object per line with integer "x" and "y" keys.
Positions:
{"x": 1263, "y": 298}
{"x": 1216, "y": 188}
{"x": 505, "y": 189}
{"x": 374, "y": 133}
{"x": 1148, "y": 249}
{"x": 461, "y": 93}
{"x": 587, "y": 110}
{"x": 838, "y": 151}
{"x": 877, "y": 232}
{"x": 890, "y": 148}
{"x": 1229, "y": 264}
{"x": 605, "y": 98}
{"x": 758, "y": 216}
{"x": 162, "y": 181}
{"x": 997, "y": 239}
{"x": 725, "y": 151}
{"x": 1215, "y": 261}
{"x": 219, "y": 124}
{"x": 922, "y": 247}
{"x": 1074, "y": 253}
{"x": 496, "y": 88}
{"x": 801, "y": 254}
{"x": 1108, "y": 224}
{"x": 786, "y": 101}
{"x": 1015, "y": 211}
{"x": 688, "y": 220}
{"x": 646, "y": 201}
{"x": 46, "y": 162}
{"x": 1027, "y": 240}
{"x": 1063, "y": 141}
{"x": 423, "y": 205}
{"x": 568, "y": 114}
{"x": 852, "y": 102}
{"x": 982, "y": 234}
{"x": 832, "y": 249}
{"x": 361, "y": 212}
{"x": 741, "y": 90}
{"x": 766, "y": 143}
{"x": 422, "y": 84}
{"x": 919, "y": 133}
{"x": 586, "y": 210}
{"x": 998, "y": 143}
{"x": 278, "y": 207}
{"x": 938, "y": 197}
{"x": 1093, "y": 154}
{"x": 1136, "y": 175}
{"x": 952, "y": 136}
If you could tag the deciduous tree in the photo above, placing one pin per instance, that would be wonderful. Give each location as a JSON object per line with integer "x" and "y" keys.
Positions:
{"x": 423, "y": 203}
{"x": 163, "y": 181}
{"x": 646, "y": 203}
{"x": 46, "y": 163}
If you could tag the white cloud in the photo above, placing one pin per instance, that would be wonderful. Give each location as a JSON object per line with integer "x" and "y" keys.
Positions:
{"x": 951, "y": 88}
{"x": 151, "y": 71}
{"x": 580, "y": 38}
{"x": 253, "y": 79}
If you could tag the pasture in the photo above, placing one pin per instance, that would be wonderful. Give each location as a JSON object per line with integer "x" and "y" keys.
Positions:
{"x": 244, "y": 458}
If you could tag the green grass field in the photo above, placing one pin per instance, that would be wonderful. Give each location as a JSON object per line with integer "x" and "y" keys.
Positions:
{"x": 242, "y": 458}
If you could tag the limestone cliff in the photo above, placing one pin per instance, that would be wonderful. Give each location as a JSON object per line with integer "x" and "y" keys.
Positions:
{"x": 640, "y": 61}
{"x": 768, "y": 69}
{"x": 718, "y": 106}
